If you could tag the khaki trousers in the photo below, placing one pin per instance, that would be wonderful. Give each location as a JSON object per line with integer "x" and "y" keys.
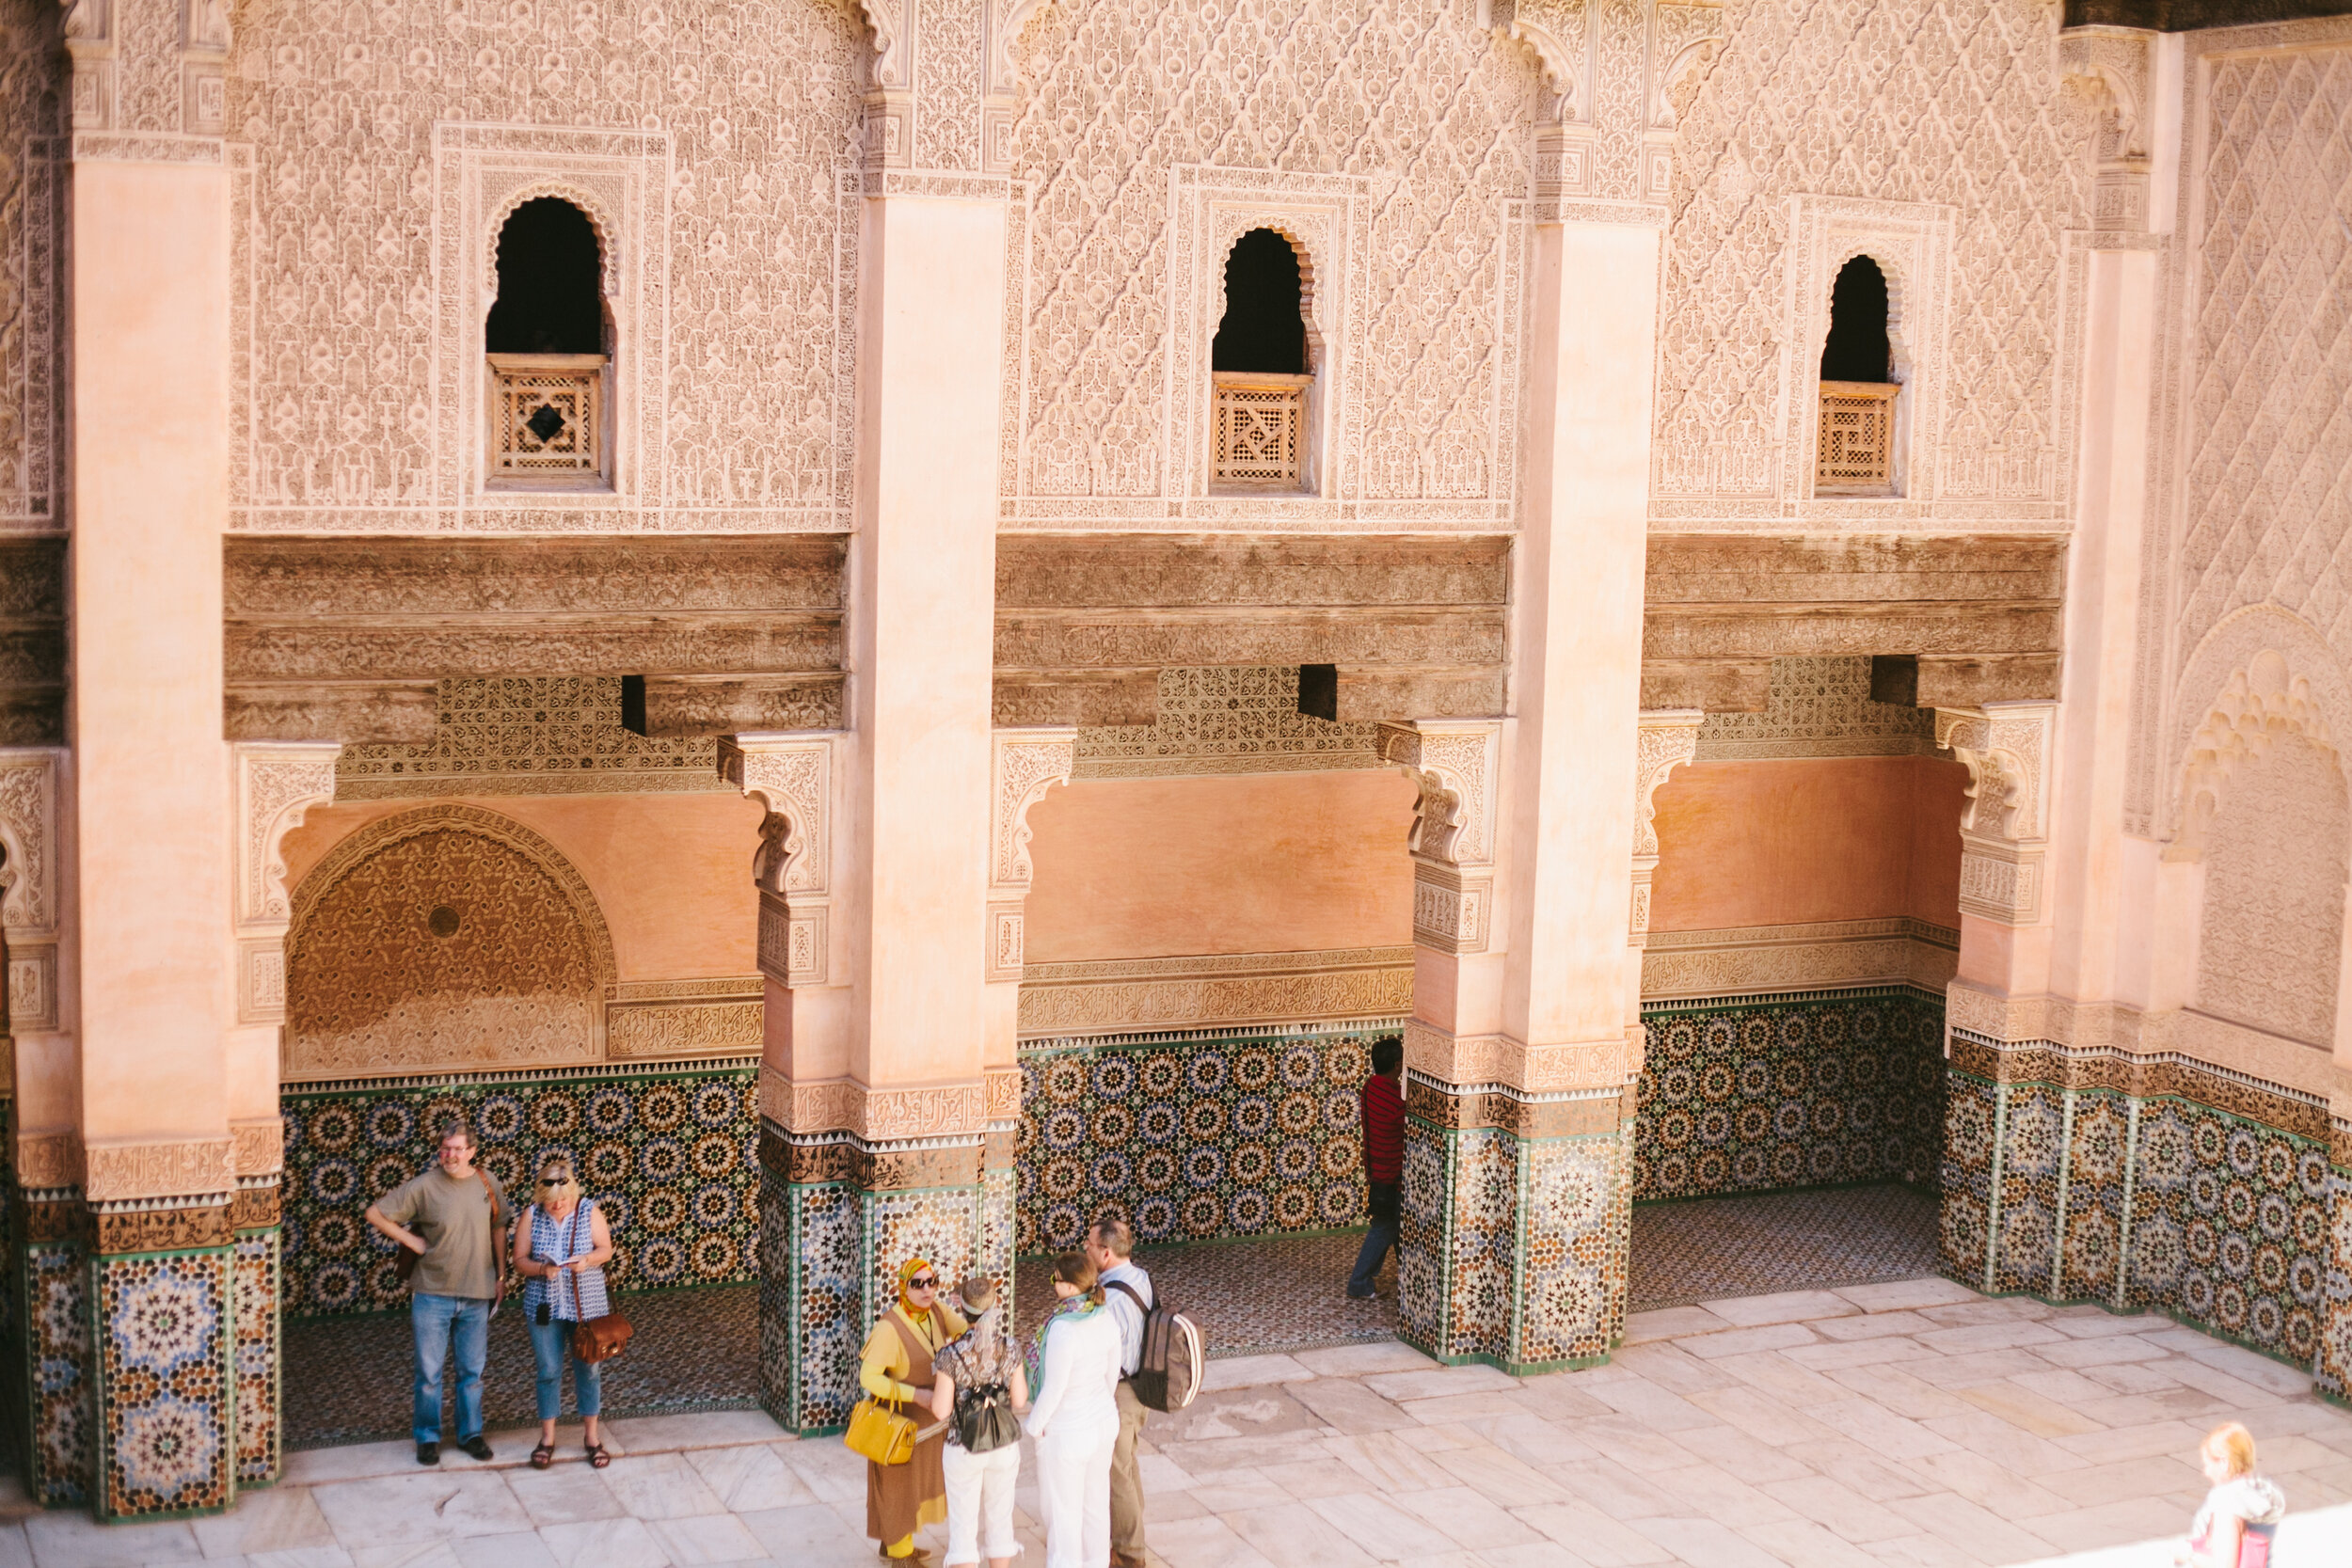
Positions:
{"x": 1127, "y": 1477}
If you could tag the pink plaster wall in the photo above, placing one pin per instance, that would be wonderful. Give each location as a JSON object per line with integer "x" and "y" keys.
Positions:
{"x": 1264, "y": 863}
{"x": 672, "y": 873}
{"x": 1784, "y": 842}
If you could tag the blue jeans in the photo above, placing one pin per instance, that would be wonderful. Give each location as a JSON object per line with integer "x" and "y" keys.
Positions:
{"x": 550, "y": 1342}
{"x": 437, "y": 1322}
{"x": 1377, "y": 1240}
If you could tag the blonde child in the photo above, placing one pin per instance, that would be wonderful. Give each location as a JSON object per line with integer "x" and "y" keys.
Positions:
{"x": 2241, "y": 1515}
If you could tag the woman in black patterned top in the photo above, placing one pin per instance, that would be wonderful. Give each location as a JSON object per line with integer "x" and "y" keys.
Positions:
{"x": 979, "y": 1485}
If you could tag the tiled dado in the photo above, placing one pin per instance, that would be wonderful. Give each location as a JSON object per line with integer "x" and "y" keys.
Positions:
{"x": 668, "y": 1150}
{"x": 1193, "y": 1134}
{"x": 830, "y": 1246}
{"x": 1514, "y": 1224}
{"x": 2165, "y": 1183}
{"x": 1803, "y": 1089}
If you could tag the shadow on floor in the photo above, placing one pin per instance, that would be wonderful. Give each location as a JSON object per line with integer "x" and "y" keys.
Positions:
{"x": 346, "y": 1378}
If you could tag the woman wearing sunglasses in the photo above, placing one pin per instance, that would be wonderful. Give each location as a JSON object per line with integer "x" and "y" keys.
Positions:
{"x": 895, "y": 1367}
{"x": 560, "y": 1248}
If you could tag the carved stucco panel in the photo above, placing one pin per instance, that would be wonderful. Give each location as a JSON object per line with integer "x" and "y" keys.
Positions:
{"x": 1456, "y": 762}
{"x": 276, "y": 785}
{"x": 28, "y": 830}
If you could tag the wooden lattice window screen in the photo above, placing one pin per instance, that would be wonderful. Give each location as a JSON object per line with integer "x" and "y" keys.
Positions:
{"x": 1261, "y": 429}
{"x": 1857, "y": 445}
{"x": 546, "y": 416}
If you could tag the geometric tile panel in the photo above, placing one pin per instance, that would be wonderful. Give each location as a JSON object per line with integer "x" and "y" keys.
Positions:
{"x": 253, "y": 1285}
{"x": 829, "y": 1261}
{"x": 672, "y": 1158}
{"x": 164, "y": 1439}
{"x": 2225, "y": 1222}
{"x": 1744, "y": 1097}
{"x": 56, "y": 1280}
{"x": 1512, "y": 1250}
{"x": 1193, "y": 1139}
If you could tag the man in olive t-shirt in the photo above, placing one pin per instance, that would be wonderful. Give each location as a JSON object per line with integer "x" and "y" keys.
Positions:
{"x": 455, "y": 1217}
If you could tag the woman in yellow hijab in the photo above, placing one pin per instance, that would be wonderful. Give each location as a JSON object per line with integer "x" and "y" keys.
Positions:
{"x": 896, "y": 1364}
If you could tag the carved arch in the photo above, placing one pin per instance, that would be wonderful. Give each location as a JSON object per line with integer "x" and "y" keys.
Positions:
{"x": 1670, "y": 76}
{"x": 600, "y": 221}
{"x": 2232, "y": 702}
{"x": 1229, "y": 234}
{"x": 503, "y": 831}
{"x": 1558, "y": 53}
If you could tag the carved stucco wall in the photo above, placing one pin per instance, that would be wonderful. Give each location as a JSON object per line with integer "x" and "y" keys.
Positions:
{"x": 1242, "y": 719}
{"x": 1818, "y": 707}
{"x": 445, "y": 936}
{"x": 1391, "y": 139}
{"x": 2269, "y": 946}
{"x": 727, "y": 218}
{"x": 2253, "y": 476}
{"x": 1935, "y": 135}
{"x": 531, "y": 734}
{"x": 29, "y": 210}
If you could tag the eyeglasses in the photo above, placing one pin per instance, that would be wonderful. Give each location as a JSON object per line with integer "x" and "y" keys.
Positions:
{"x": 923, "y": 1282}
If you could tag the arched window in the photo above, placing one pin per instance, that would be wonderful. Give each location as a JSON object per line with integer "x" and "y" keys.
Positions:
{"x": 1856, "y": 453}
{"x": 1261, "y": 364}
{"x": 548, "y": 339}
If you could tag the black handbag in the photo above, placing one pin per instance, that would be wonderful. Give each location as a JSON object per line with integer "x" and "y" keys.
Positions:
{"x": 984, "y": 1418}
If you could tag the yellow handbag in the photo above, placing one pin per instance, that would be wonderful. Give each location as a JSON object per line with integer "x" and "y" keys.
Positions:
{"x": 880, "y": 1432}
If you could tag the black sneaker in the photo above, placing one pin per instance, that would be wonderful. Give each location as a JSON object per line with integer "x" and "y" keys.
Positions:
{"x": 477, "y": 1446}
{"x": 428, "y": 1453}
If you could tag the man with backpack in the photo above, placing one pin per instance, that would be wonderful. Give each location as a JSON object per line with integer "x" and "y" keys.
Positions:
{"x": 1127, "y": 1292}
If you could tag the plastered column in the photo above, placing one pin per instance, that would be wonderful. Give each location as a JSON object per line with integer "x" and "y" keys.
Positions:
{"x": 147, "y": 356}
{"x": 1521, "y": 1056}
{"x": 875, "y": 1102}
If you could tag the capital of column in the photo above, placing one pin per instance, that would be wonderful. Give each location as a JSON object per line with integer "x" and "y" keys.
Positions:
{"x": 2004, "y": 831}
{"x": 791, "y": 772}
{"x": 177, "y": 74}
{"x": 1457, "y": 765}
{"x": 1668, "y": 738}
{"x": 1023, "y": 764}
{"x": 2113, "y": 69}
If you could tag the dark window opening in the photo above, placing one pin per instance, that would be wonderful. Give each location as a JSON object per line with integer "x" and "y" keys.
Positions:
{"x": 1263, "y": 331}
{"x": 550, "y": 284}
{"x": 1857, "y": 348}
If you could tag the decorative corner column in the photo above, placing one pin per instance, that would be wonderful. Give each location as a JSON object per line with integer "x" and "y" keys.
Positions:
{"x": 2007, "y": 1128}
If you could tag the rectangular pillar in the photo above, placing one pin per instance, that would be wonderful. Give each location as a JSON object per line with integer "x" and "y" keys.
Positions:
{"x": 891, "y": 1155}
{"x": 1521, "y": 1059}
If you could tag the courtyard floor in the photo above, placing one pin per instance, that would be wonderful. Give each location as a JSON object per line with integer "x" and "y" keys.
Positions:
{"x": 1900, "y": 1423}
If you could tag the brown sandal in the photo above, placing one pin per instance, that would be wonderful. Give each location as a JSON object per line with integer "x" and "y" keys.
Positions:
{"x": 543, "y": 1456}
{"x": 598, "y": 1458}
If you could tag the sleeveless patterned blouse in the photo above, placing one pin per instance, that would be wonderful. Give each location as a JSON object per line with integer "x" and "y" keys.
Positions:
{"x": 552, "y": 1242}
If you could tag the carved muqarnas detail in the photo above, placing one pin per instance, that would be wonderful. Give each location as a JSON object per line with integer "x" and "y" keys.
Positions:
{"x": 449, "y": 936}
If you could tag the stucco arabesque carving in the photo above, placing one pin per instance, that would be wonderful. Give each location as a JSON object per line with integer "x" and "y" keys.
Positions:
{"x": 275, "y": 786}
{"x": 189, "y": 1167}
{"x": 31, "y": 912}
{"x": 1668, "y": 738}
{"x": 1457, "y": 765}
{"x": 792, "y": 773}
{"x": 1023, "y": 764}
{"x": 2261, "y": 702}
{"x": 2007, "y": 747}
{"x": 873, "y": 1115}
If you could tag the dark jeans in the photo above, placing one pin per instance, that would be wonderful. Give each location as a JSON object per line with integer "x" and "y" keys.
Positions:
{"x": 1377, "y": 1240}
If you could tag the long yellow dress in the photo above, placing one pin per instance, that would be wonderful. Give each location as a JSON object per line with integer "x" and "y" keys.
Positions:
{"x": 902, "y": 1498}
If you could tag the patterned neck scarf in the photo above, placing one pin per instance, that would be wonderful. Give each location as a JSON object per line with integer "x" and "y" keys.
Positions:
{"x": 1066, "y": 1307}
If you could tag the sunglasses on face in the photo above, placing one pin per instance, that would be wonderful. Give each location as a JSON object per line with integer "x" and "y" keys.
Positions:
{"x": 925, "y": 1282}
{"x": 555, "y": 1181}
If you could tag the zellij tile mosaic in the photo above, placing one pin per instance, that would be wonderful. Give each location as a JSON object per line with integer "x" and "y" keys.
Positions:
{"x": 672, "y": 1158}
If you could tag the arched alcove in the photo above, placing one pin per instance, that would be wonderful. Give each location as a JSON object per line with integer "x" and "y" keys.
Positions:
{"x": 1859, "y": 433}
{"x": 549, "y": 338}
{"x": 1262, "y": 363}
{"x": 451, "y": 937}
{"x": 550, "y": 297}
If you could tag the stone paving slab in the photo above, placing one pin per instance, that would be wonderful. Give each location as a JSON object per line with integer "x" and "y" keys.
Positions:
{"x": 1729, "y": 1442}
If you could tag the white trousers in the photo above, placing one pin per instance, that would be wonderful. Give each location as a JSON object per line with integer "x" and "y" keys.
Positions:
{"x": 1074, "y": 1491}
{"x": 979, "y": 1503}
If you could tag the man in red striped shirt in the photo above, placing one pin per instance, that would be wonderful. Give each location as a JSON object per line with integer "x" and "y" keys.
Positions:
{"x": 1384, "y": 1159}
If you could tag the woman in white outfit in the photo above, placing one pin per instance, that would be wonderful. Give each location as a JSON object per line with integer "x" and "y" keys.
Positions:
{"x": 1073, "y": 1415}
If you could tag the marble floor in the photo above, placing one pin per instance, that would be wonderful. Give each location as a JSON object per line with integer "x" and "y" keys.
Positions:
{"x": 1912, "y": 1423}
{"x": 346, "y": 1378}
